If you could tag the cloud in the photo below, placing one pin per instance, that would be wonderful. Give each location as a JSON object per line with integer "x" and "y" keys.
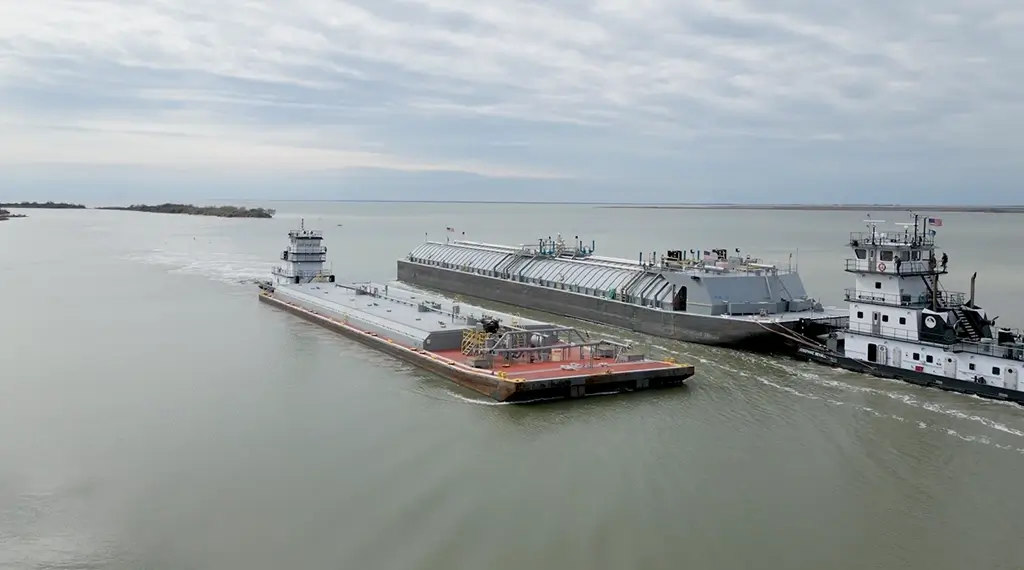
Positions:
{"x": 604, "y": 92}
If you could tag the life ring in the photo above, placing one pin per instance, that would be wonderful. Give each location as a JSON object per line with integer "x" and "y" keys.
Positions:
{"x": 881, "y": 266}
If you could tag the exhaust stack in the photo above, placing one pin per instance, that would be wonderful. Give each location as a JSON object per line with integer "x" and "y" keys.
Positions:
{"x": 971, "y": 301}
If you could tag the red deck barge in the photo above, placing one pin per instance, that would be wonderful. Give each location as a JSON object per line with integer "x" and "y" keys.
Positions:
{"x": 577, "y": 371}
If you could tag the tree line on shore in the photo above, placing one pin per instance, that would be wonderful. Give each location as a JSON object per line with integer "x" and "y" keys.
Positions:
{"x": 168, "y": 208}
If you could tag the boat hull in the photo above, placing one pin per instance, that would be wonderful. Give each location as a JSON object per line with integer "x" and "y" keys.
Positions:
{"x": 836, "y": 360}
{"x": 686, "y": 327}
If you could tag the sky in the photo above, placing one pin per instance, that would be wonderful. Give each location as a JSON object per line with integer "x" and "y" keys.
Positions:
{"x": 559, "y": 100}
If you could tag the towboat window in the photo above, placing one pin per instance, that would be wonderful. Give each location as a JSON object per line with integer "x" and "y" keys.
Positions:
{"x": 860, "y": 314}
{"x": 886, "y": 255}
{"x": 995, "y": 370}
{"x": 905, "y": 255}
{"x": 885, "y": 318}
{"x": 917, "y": 356}
{"x": 903, "y": 320}
{"x": 916, "y": 254}
{"x": 861, "y": 253}
{"x": 929, "y": 358}
{"x": 878, "y": 284}
{"x": 970, "y": 366}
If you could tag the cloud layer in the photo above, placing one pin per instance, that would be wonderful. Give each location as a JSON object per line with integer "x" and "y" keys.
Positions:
{"x": 676, "y": 100}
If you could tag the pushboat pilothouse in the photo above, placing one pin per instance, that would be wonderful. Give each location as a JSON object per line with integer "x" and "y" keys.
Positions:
{"x": 904, "y": 324}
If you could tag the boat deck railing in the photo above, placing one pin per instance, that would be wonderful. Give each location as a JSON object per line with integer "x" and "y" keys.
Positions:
{"x": 893, "y": 239}
{"x": 991, "y": 349}
{"x": 944, "y": 298}
{"x": 732, "y": 265}
{"x": 1013, "y": 352}
{"x": 303, "y": 274}
{"x": 907, "y": 268}
{"x": 707, "y": 265}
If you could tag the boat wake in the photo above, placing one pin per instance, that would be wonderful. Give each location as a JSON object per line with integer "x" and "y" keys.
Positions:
{"x": 805, "y": 383}
{"x": 223, "y": 267}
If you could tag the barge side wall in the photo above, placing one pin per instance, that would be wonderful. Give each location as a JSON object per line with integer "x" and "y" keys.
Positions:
{"x": 497, "y": 388}
{"x": 676, "y": 326}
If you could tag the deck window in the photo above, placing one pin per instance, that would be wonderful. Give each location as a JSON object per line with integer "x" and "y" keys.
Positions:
{"x": 970, "y": 366}
{"x": 885, "y": 255}
{"x": 929, "y": 359}
{"x": 995, "y": 370}
{"x": 860, "y": 314}
{"x": 885, "y": 318}
{"x": 917, "y": 356}
{"x": 903, "y": 320}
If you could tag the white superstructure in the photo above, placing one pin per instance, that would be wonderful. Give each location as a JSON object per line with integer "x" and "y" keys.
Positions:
{"x": 904, "y": 321}
{"x": 304, "y": 258}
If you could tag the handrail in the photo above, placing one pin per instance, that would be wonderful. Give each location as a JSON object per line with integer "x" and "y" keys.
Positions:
{"x": 883, "y": 331}
{"x": 945, "y": 298}
{"x": 894, "y": 238}
{"x": 972, "y": 347}
{"x": 922, "y": 267}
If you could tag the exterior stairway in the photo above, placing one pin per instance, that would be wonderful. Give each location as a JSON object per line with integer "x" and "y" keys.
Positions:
{"x": 968, "y": 327}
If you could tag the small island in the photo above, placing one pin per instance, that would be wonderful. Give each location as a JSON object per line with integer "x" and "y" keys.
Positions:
{"x": 189, "y": 209}
{"x": 6, "y": 215}
{"x": 44, "y": 205}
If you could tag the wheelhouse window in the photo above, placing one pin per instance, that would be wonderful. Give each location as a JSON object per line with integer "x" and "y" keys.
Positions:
{"x": 861, "y": 253}
{"x": 886, "y": 255}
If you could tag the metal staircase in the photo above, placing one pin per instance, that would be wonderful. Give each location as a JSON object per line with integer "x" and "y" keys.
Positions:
{"x": 473, "y": 342}
{"x": 966, "y": 323}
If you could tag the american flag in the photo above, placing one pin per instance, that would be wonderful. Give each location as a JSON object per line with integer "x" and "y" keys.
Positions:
{"x": 937, "y": 222}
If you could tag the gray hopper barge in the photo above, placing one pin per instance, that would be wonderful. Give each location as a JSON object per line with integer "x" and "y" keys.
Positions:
{"x": 710, "y": 298}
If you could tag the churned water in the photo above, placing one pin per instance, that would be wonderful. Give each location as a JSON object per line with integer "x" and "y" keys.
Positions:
{"x": 154, "y": 415}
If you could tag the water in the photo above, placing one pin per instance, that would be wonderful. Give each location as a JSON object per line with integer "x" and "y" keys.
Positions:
{"x": 155, "y": 416}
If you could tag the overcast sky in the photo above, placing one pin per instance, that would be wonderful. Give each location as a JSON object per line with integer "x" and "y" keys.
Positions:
{"x": 610, "y": 100}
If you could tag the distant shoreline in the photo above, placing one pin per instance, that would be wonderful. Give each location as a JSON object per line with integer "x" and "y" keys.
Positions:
{"x": 827, "y": 208}
{"x": 190, "y": 210}
{"x": 43, "y": 205}
{"x": 243, "y": 212}
{"x": 186, "y": 209}
{"x": 992, "y": 209}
